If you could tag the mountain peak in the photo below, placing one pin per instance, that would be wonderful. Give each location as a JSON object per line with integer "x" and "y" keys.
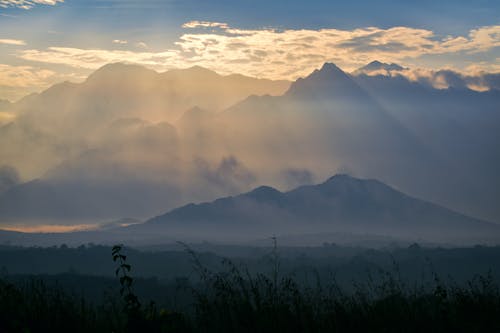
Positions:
{"x": 341, "y": 177}
{"x": 263, "y": 193}
{"x": 343, "y": 181}
{"x": 120, "y": 70}
{"x": 330, "y": 67}
{"x": 377, "y": 67}
{"x": 194, "y": 71}
{"x": 327, "y": 71}
{"x": 328, "y": 81}
{"x": 193, "y": 116}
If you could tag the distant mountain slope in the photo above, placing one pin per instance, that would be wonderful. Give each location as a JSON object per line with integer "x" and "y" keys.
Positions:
{"x": 328, "y": 121}
{"x": 341, "y": 204}
{"x": 68, "y": 118}
{"x": 131, "y": 91}
{"x": 459, "y": 126}
{"x": 441, "y": 144}
{"x": 96, "y": 142}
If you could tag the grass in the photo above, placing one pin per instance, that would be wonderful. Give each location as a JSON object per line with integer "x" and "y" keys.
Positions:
{"x": 236, "y": 301}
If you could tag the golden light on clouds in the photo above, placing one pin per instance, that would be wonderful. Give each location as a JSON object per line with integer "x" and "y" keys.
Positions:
{"x": 50, "y": 228}
{"x": 277, "y": 54}
{"x": 204, "y": 24}
{"x": 23, "y": 76}
{"x": 263, "y": 53}
{"x": 95, "y": 58}
{"x": 6, "y": 117}
{"x": 12, "y": 42}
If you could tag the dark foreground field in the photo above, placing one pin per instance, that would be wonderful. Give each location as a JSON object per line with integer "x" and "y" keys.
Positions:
{"x": 367, "y": 291}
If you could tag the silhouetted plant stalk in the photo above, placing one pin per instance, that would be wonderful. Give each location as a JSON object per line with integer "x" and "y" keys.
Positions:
{"x": 132, "y": 303}
{"x": 141, "y": 318}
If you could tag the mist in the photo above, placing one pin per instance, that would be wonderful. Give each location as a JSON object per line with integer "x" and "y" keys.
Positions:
{"x": 130, "y": 142}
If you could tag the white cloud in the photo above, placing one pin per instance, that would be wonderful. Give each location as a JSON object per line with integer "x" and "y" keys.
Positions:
{"x": 204, "y": 24}
{"x": 293, "y": 53}
{"x": 12, "y": 42}
{"x": 265, "y": 53}
{"x": 27, "y": 4}
{"x": 23, "y": 76}
{"x": 281, "y": 54}
{"x": 95, "y": 58}
{"x": 474, "y": 77}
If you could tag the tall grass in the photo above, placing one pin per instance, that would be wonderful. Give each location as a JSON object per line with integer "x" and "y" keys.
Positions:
{"x": 233, "y": 300}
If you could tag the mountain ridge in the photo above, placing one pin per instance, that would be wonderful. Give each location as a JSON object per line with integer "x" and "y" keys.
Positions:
{"x": 387, "y": 128}
{"x": 340, "y": 204}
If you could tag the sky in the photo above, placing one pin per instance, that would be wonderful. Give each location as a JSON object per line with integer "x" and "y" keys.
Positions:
{"x": 43, "y": 42}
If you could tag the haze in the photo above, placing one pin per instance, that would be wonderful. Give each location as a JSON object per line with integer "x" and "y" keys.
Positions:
{"x": 102, "y": 121}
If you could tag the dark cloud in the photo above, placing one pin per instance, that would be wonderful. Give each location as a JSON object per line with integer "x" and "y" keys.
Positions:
{"x": 230, "y": 174}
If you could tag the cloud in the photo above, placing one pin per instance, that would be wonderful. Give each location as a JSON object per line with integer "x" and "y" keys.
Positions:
{"x": 294, "y": 53}
{"x": 204, "y": 24}
{"x": 230, "y": 174}
{"x": 50, "y": 228}
{"x": 27, "y": 4}
{"x": 470, "y": 78}
{"x": 280, "y": 54}
{"x": 119, "y": 41}
{"x": 12, "y": 42}
{"x": 95, "y": 58}
{"x": 23, "y": 76}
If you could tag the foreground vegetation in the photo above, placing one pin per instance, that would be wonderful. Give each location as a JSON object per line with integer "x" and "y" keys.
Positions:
{"x": 235, "y": 300}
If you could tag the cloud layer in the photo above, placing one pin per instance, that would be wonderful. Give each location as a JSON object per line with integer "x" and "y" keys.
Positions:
{"x": 263, "y": 53}
{"x": 27, "y": 4}
{"x": 440, "y": 79}
{"x": 12, "y": 42}
{"x": 281, "y": 54}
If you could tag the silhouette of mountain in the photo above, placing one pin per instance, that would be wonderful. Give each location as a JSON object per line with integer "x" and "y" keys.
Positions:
{"x": 340, "y": 204}
{"x": 460, "y": 126}
{"x": 84, "y": 139}
{"x": 387, "y": 127}
{"x": 326, "y": 81}
{"x": 329, "y": 114}
{"x": 127, "y": 91}
{"x": 86, "y": 127}
{"x": 378, "y": 67}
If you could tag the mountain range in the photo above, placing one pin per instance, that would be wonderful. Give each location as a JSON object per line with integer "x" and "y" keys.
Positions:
{"x": 130, "y": 142}
{"x": 342, "y": 206}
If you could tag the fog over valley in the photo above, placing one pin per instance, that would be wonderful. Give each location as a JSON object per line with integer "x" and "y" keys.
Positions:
{"x": 129, "y": 142}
